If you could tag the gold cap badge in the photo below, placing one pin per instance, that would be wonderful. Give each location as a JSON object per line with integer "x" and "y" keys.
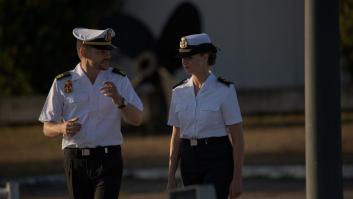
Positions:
{"x": 183, "y": 43}
{"x": 68, "y": 86}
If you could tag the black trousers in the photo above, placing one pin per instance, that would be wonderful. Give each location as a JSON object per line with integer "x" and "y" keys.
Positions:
{"x": 210, "y": 162}
{"x": 93, "y": 173}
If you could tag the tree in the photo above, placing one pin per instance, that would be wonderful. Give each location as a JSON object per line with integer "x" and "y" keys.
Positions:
{"x": 346, "y": 30}
{"x": 36, "y": 42}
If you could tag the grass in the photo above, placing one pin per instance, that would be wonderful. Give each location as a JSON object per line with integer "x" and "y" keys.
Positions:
{"x": 24, "y": 150}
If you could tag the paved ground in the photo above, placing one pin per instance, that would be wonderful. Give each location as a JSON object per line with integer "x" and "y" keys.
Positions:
{"x": 147, "y": 189}
{"x": 25, "y": 151}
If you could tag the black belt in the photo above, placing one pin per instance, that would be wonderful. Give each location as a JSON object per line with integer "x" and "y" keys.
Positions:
{"x": 203, "y": 141}
{"x": 93, "y": 151}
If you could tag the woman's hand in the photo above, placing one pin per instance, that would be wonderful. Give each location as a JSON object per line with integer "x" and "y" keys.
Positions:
{"x": 172, "y": 183}
{"x": 235, "y": 189}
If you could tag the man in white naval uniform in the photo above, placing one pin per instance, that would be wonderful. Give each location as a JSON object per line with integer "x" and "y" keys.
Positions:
{"x": 85, "y": 106}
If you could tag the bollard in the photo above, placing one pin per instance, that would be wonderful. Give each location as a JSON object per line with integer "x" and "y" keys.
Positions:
{"x": 193, "y": 192}
{"x": 10, "y": 191}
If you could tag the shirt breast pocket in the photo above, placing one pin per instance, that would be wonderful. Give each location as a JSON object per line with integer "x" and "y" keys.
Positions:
{"x": 184, "y": 113}
{"x": 106, "y": 104}
{"x": 76, "y": 103}
{"x": 72, "y": 99}
{"x": 210, "y": 114}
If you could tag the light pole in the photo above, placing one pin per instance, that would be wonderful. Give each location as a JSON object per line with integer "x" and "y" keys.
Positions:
{"x": 322, "y": 100}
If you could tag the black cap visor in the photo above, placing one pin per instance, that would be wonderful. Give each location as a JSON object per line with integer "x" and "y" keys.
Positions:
{"x": 192, "y": 50}
{"x": 100, "y": 44}
{"x": 104, "y": 47}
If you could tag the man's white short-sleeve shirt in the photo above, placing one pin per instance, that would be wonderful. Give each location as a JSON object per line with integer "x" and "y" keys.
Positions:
{"x": 99, "y": 116}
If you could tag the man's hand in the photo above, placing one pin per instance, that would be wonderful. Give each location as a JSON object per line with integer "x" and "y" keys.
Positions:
{"x": 70, "y": 127}
{"x": 110, "y": 90}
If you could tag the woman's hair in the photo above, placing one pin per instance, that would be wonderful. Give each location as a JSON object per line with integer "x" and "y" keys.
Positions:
{"x": 212, "y": 58}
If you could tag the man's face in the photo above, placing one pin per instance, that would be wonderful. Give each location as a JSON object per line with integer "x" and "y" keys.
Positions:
{"x": 99, "y": 59}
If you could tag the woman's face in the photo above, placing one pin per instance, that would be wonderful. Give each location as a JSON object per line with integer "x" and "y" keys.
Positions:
{"x": 194, "y": 63}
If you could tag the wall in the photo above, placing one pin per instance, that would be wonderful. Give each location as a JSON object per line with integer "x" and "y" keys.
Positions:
{"x": 261, "y": 41}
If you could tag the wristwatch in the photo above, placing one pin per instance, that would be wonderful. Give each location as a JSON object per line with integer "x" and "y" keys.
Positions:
{"x": 123, "y": 103}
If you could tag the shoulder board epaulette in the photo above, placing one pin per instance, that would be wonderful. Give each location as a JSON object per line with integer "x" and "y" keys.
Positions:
{"x": 224, "y": 81}
{"x": 62, "y": 75}
{"x": 117, "y": 71}
{"x": 180, "y": 83}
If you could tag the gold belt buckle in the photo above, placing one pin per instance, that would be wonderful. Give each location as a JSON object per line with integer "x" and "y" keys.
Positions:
{"x": 85, "y": 152}
{"x": 193, "y": 142}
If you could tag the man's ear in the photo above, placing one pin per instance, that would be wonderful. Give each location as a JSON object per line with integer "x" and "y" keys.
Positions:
{"x": 83, "y": 52}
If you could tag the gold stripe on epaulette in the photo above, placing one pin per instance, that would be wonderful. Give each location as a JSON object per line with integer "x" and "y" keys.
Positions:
{"x": 180, "y": 83}
{"x": 62, "y": 75}
{"x": 117, "y": 71}
{"x": 224, "y": 81}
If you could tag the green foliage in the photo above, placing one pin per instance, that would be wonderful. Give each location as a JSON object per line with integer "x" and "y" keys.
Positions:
{"x": 346, "y": 29}
{"x": 36, "y": 41}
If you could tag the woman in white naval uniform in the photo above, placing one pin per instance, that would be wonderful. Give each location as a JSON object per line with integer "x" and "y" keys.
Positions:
{"x": 204, "y": 110}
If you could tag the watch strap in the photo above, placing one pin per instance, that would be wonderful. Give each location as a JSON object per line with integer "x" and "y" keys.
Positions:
{"x": 123, "y": 104}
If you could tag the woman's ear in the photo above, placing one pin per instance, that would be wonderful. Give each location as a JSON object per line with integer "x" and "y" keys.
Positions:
{"x": 205, "y": 56}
